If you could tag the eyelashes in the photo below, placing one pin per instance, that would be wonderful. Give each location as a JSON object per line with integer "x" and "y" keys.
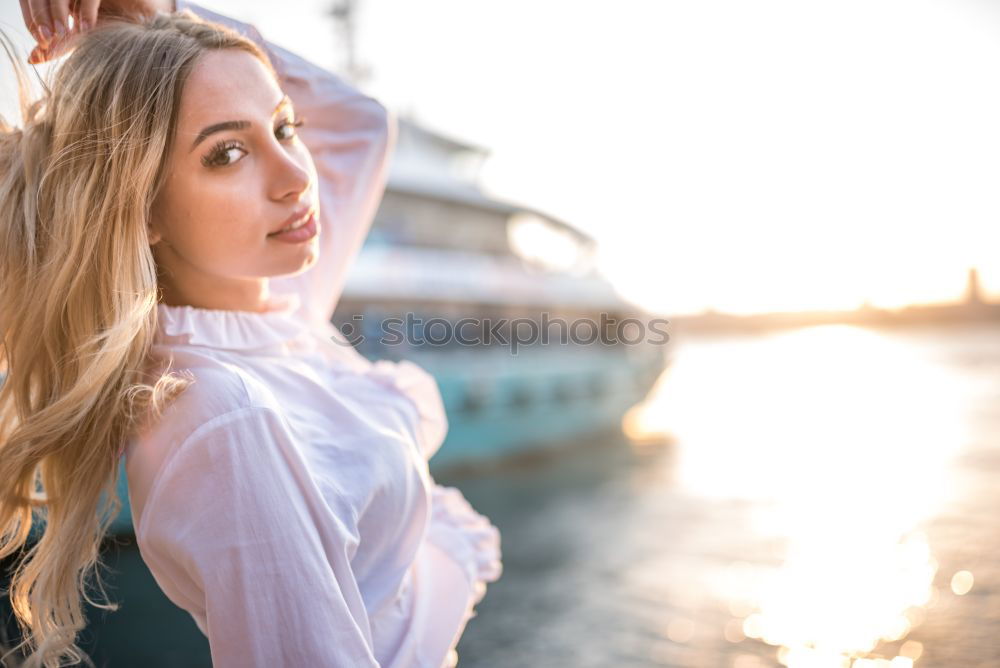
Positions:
{"x": 219, "y": 150}
{"x": 295, "y": 124}
{"x": 215, "y": 156}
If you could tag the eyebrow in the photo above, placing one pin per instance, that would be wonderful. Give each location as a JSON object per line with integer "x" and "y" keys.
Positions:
{"x": 234, "y": 125}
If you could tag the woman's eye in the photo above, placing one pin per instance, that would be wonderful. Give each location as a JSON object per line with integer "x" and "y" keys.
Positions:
{"x": 220, "y": 155}
{"x": 290, "y": 124}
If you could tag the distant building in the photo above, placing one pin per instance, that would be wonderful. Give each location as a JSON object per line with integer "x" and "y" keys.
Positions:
{"x": 973, "y": 293}
{"x": 973, "y": 307}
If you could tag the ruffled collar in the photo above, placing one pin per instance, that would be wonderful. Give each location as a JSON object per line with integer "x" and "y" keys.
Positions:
{"x": 230, "y": 329}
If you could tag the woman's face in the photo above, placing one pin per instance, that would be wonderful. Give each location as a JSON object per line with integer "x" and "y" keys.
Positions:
{"x": 228, "y": 189}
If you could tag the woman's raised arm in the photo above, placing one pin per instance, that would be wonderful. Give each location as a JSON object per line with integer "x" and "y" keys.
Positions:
{"x": 351, "y": 137}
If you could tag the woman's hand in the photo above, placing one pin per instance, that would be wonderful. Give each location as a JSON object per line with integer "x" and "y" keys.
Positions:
{"x": 48, "y": 20}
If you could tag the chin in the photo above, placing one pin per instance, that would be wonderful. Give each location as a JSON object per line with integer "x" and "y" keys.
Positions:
{"x": 305, "y": 263}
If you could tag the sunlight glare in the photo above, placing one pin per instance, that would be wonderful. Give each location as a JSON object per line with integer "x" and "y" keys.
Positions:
{"x": 841, "y": 437}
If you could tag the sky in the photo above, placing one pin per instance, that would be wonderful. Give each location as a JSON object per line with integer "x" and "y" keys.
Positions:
{"x": 741, "y": 155}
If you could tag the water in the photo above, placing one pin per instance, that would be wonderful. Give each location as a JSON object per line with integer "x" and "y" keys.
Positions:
{"x": 818, "y": 497}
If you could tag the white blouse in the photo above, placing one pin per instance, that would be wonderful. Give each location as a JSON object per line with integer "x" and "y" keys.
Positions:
{"x": 284, "y": 499}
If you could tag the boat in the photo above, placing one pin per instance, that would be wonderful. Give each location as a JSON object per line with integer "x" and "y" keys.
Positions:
{"x": 442, "y": 250}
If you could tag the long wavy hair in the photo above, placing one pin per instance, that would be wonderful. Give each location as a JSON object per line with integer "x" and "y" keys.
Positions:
{"x": 78, "y": 296}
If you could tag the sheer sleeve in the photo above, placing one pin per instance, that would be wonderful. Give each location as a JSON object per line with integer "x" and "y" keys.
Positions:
{"x": 350, "y": 136}
{"x": 231, "y": 533}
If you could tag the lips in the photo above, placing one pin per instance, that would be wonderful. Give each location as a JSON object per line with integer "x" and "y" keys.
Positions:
{"x": 297, "y": 219}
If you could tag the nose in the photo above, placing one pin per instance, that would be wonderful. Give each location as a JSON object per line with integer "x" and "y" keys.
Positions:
{"x": 291, "y": 176}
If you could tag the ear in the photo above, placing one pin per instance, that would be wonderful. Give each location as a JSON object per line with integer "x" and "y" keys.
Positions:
{"x": 153, "y": 222}
{"x": 153, "y": 228}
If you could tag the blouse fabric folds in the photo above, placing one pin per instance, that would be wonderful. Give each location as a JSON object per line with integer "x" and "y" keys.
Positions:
{"x": 284, "y": 499}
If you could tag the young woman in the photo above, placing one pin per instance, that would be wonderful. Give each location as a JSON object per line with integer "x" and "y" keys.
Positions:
{"x": 177, "y": 218}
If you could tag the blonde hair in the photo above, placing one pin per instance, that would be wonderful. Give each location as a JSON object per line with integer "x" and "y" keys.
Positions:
{"x": 78, "y": 296}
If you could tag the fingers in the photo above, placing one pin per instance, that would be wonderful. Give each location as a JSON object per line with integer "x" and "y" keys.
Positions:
{"x": 57, "y": 47}
{"x": 45, "y": 19}
{"x": 40, "y": 15}
{"x": 59, "y": 15}
{"x": 88, "y": 14}
{"x": 50, "y": 18}
{"x": 36, "y": 17}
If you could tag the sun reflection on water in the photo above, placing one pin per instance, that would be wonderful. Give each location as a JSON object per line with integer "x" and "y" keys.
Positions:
{"x": 840, "y": 439}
